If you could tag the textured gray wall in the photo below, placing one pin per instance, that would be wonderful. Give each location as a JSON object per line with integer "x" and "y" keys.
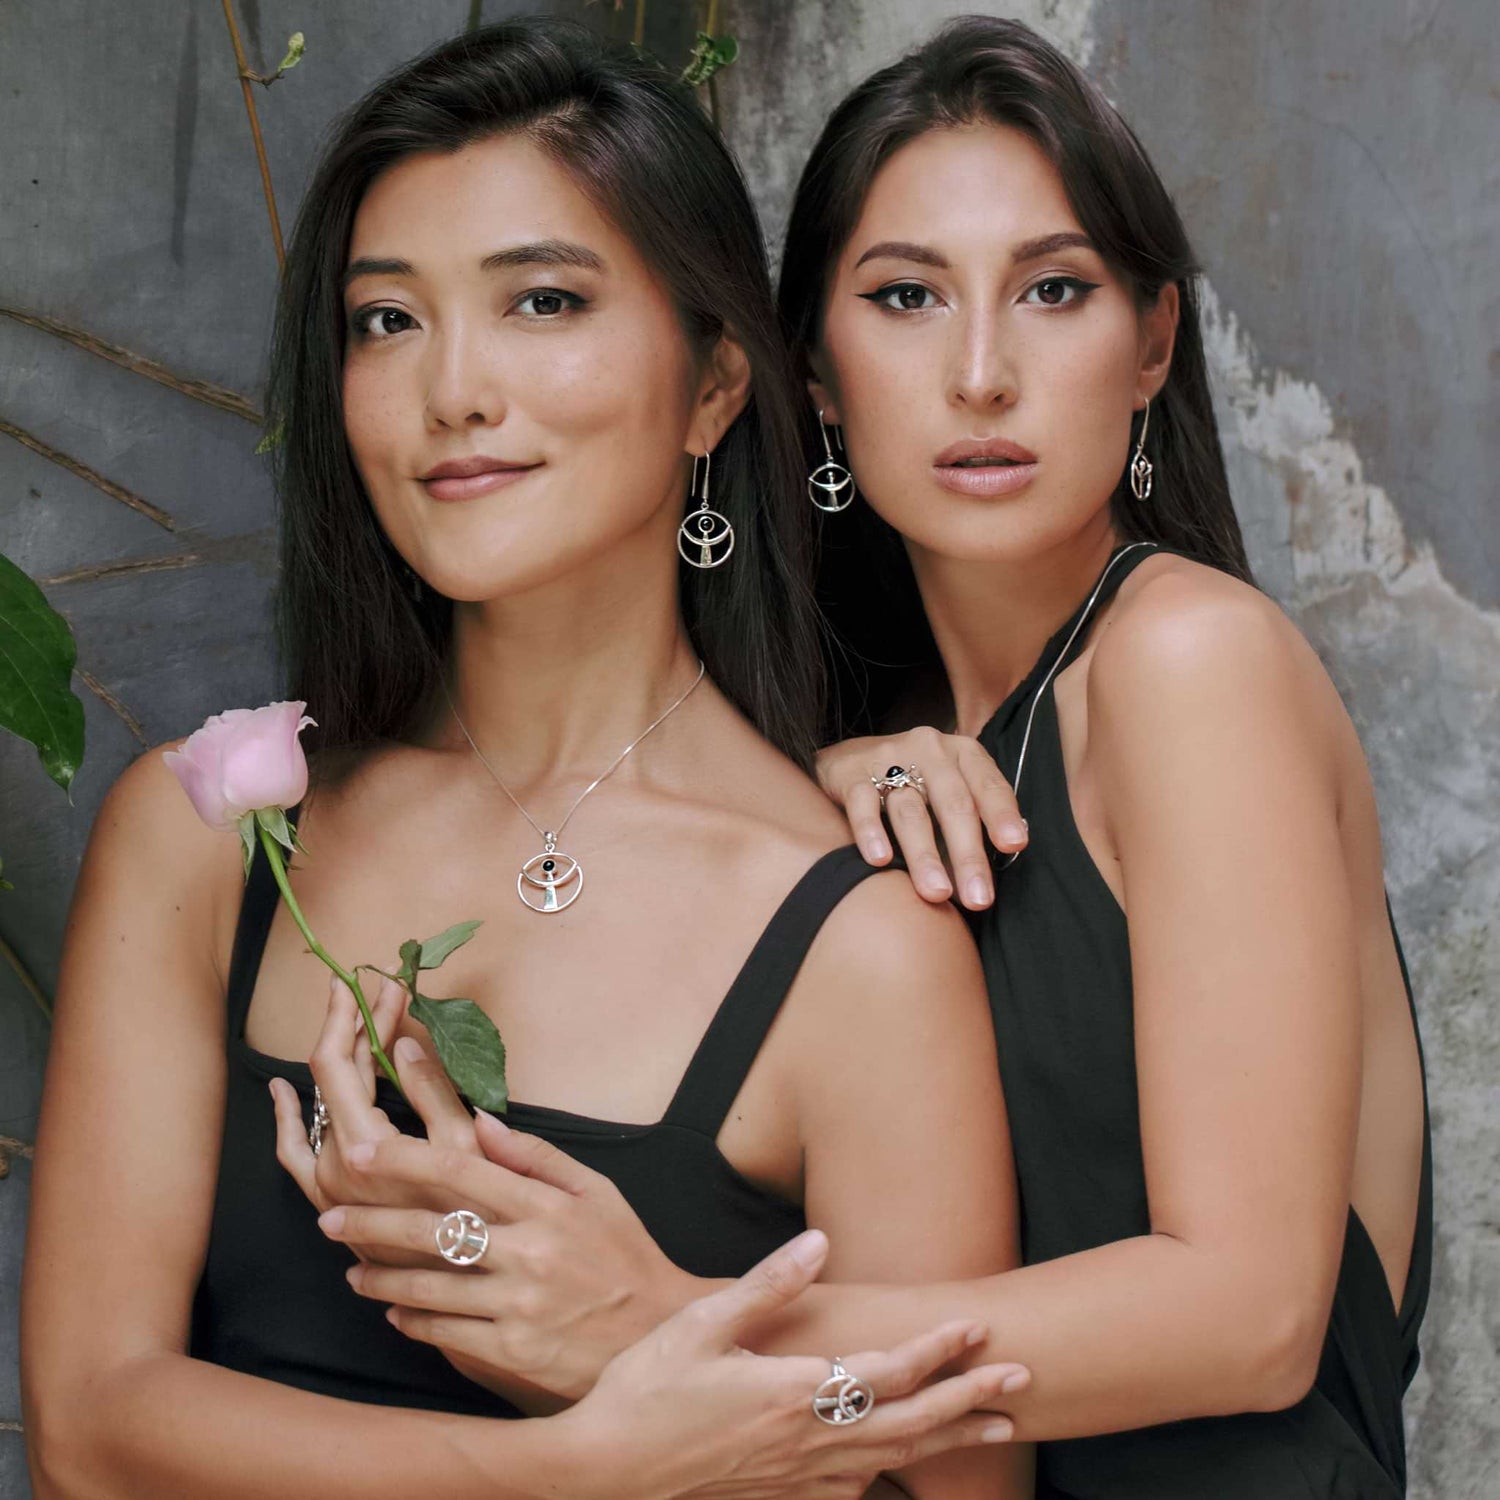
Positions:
{"x": 1338, "y": 168}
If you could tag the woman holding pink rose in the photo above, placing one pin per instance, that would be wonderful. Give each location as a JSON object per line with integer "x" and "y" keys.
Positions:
{"x": 545, "y": 590}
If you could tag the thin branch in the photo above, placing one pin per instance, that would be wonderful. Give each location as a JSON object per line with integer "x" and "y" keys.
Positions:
{"x": 639, "y": 37}
{"x": 32, "y": 988}
{"x": 95, "y": 571}
{"x": 243, "y": 69}
{"x": 199, "y": 390}
{"x": 476, "y": 15}
{"x": 82, "y": 470}
{"x": 106, "y": 697}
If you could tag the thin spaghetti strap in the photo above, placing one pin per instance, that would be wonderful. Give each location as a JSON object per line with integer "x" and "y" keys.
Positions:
{"x": 733, "y": 1040}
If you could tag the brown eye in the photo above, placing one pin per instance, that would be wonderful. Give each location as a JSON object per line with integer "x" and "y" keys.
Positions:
{"x": 1052, "y": 293}
{"x": 910, "y": 297}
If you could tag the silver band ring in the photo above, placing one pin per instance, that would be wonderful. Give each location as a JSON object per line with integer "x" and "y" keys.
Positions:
{"x": 897, "y": 777}
{"x": 322, "y": 1122}
{"x": 843, "y": 1398}
{"x": 462, "y": 1237}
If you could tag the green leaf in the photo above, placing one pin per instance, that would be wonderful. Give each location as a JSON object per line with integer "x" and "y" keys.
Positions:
{"x": 246, "y": 826}
{"x": 709, "y": 55}
{"x": 273, "y": 820}
{"x": 435, "y": 949}
{"x": 411, "y": 961}
{"x": 37, "y": 654}
{"x": 273, "y": 439}
{"x": 296, "y": 45}
{"x": 5, "y": 885}
{"x": 469, "y": 1047}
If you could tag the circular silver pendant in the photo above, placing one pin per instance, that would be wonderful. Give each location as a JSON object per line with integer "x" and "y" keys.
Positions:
{"x": 831, "y": 487}
{"x": 462, "y": 1237}
{"x": 550, "y": 881}
{"x": 705, "y": 538}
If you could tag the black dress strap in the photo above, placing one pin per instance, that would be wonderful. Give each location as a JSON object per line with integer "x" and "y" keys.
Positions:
{"x": 735, "y": 1036}
{"x": 257, "y": 912}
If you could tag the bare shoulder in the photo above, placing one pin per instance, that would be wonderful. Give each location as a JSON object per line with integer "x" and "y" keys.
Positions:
{"x": 149, "y": 851}
{"x": 884, "y": 946}
{"x": 1183, "y": 637}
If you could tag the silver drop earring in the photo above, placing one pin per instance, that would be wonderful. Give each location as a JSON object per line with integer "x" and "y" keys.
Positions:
{"x": 705, "y": 538}
{"x": 1140, "y": 465}
{"x": 830, "y": 486}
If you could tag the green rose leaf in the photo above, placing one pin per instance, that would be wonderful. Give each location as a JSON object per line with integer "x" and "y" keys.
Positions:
{"x": 435, "y": 949}
{"x": 246, "y": 826}
{"x": 469, "y": 1048}
{"x": 273, "y": 820}
{"x": 37, "y": 654}
{"x": 296, "y": 45}
{"x": 411, "y": 961}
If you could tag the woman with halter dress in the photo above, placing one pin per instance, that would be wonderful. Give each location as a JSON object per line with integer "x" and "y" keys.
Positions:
{"x": 1034, "y": 574}
{"x": 526, "y": 312}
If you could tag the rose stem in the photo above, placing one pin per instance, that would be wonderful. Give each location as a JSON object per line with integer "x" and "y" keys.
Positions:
{"x": 278, "y": 869}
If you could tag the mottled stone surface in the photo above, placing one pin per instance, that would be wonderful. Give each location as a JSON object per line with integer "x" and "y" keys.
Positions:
{"x": 1337, "y": 166}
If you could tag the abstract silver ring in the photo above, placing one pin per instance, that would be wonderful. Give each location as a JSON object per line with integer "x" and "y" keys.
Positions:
{"x": 322, "y": 1122}
{"x": 843, "y": 1398}
{"x": 462, "y": 1237}
{"x": 897, "y": 777}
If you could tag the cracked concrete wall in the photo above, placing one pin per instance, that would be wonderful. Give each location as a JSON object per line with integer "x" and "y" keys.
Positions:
{"x": 1332, "y": 164}
{"x": 1337, "y": 167}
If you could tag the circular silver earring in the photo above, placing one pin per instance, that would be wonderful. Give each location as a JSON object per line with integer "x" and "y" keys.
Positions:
{"x": 705, "y": 538}
{"x": 830, "y": 486}
{"x": 1140, "y": 466}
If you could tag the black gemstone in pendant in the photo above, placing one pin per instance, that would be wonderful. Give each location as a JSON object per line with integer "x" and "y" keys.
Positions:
{"x": 895, "y": 771}
{"x": 549, "y": 865}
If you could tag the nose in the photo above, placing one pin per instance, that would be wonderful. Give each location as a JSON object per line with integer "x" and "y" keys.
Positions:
{"x": 983, "y": 377}
{"x": 464, "y": 386}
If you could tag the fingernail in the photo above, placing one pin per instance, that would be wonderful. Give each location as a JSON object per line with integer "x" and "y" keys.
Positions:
{"x": 807, "y": 1249}
{"x": 1013, "y": 833}
{"x": 976, "y": 1335}
{"x": 979, "y": 891}
{"x": 879, "y": 850}
{"x": 407, "y": 1050}
{"x": 361, "y": 1154}
{"x": 333, "y": 984}
{"x": 1017, "y": 1382}
{"x": 997, "y": 1432}
{"x": 354, "y": 1275}
{"x": 332, "y": 1221}
{"x": 393, "y": 1317}
{"x": 486, "y": 1115}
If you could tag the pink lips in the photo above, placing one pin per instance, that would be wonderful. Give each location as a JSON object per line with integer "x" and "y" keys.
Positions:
{"x": 466, "y": 478}
{"x": 1010, "y": 468}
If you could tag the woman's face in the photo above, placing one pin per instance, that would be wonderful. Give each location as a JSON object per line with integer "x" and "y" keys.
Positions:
{"x": 502, "y": 327}
{"x": 984, "y": 360}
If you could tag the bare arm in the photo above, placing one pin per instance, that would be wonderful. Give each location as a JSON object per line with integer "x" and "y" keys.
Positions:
{"x": 1208, "y": 739}
{"x": 126, "y": 1164}
{"x": 895, "y": 1085}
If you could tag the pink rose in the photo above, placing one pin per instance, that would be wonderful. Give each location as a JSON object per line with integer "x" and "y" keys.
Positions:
{"x": 243, "y": 760}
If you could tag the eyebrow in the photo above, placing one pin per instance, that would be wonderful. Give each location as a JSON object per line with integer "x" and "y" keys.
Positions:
{"x": 924, "y": 255}
{"x": 537, "y": 253}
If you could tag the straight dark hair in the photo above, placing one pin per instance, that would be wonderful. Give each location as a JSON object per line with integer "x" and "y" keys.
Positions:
{"x": 981, "y": 70}
{"x": 358, "y": 647}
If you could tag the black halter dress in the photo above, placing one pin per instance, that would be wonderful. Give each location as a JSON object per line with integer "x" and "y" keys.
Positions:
{"x": 1057, "y": 960}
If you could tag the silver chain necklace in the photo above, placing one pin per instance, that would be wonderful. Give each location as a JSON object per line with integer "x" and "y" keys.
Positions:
{"x": 552, "y": 881}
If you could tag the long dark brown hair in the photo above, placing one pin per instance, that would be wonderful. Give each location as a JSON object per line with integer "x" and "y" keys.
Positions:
{"x": 359, "y": 648}
{"x": 978, "y": 69}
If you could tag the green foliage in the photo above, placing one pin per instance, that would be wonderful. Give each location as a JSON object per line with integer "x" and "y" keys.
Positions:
{"x": 710, "y": 54}
{"x": 467, "y": 1042}
{"x": 37, "y": 654}
{"x": 296, "y": 45}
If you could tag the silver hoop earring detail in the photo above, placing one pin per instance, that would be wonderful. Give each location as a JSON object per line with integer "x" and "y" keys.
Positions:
{"x": 830, "y": 486}
{"x": 705, "y": 538}
{"x": 1140, "y": 466}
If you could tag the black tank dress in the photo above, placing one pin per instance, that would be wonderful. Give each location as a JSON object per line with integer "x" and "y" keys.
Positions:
{"x": 272, "y": 1300}
{"x": 1057, "y": 960}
